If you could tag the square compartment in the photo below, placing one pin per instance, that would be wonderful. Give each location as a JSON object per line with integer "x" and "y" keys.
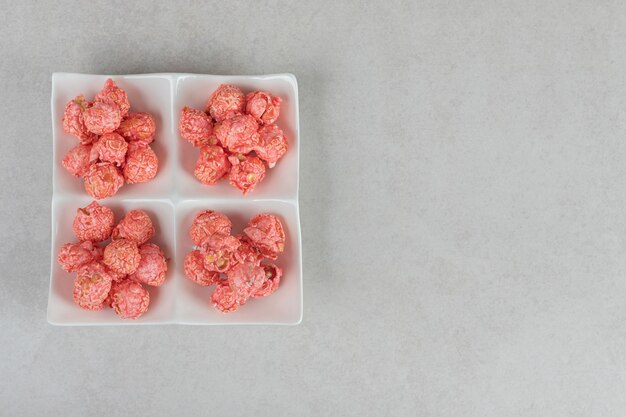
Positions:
{"x": 282, "y": 307}
{"x": 280, "y": 182}
{"x": 173, "y": 198}
{"x": 61, "y": 307}
{"x": 150, "y": 93}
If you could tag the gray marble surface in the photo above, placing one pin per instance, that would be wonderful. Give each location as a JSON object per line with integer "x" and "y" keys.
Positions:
{"x": 462, "y": 198}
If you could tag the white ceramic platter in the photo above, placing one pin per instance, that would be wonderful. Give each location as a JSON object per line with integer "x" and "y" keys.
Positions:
{"x": 174, "y": 196}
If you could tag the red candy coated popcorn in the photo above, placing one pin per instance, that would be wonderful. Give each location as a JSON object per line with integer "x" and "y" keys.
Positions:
{"x": 272, "y": 144}
{"x": 225, "y": 102}
{"x": 103, "y": 180}
{"x": 74, "y": 255}
{"x": 225, "y": 299}
{"x": 129, "y": 299}
{"x": 115, "y": 276}
{"x": 238, "y": 134}
{"x": 264, "y": 107}
{"x": 246, "y": 279}
{"x": 138, "y": 127}
{"x": 212, "y": 165}
{"x": 207, "y": 223}
{"x": 96, "y": 251}
{"x": 91, "y": 286}
{"x": 77, "y": 160}
{"x": 266, "y": 233}
{"x": 102, "y": 117}
{"x": 219, "y": 252}
{"x": 195, "y": 270}
{"x": 112, "y": 93}
{"x": 246, "y": 174}
{"x": 136, "y": 226}
{"x": 110, "y": 147}
{"x": 152, "y": 266}
{"x": 238, "y": 257}
{"x": 118, "y": 136}
{"x": 94, "y": 223}
{"x": 74, "y": 122}
{"x": 246, "y": 253}
{"x": 240, "y": 125}
{"x": 220, "y": 240}
{"x": 271, "y": 282}
{"x": 141, "y": 163}
{"x": 195, "y": 126}
{"x": 122, "y": 256}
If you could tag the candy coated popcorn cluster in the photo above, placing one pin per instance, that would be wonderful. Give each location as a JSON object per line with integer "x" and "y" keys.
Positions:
{"x": 114, "y": 143}
{"x": 235, "y": 263}
{"x": 113, "y": 275}
{"x": 236, "y": 135}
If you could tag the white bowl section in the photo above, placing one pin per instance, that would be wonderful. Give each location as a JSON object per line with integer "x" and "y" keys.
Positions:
{"x": 146, "y": 93}
{"x": 174, "y": 196}
{"x": 61, "y": 308}
{"x": 280, "y": 181}
{"x": 282, "y": 307}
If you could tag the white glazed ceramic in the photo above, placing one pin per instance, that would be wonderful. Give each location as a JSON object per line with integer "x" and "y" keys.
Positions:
{"x": 174, "y": 196}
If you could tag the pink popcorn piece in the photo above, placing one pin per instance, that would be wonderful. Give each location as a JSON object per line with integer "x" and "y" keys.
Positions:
{"x": 273, "y": 274}
{"x": 129, "y": 299}
{"x": 110, "y": 147}
{"x": 122, "y": 256}
{"x": 266, "y": 233}
{"x": 238, "y": 134}
{"x": 115, "y": 276}
{"x": 196, "y": 272}
{"x": 212, "y": 165}
{"x": 72, "y": 256}
{"x": 103, "y": 180}
{"x": 263, "y": 106}
{"x": 152, "y": 266}
{"x": 196, "y": 127}
{"x": 247, "y": 174}
{"x": 136, "y": 226}
{"x": 91, "y": 287}
{"x": 218, "y": 252}
{"x": 272, "y": 144}
{"x": 246, "y": 253}
{"x": 93, "y": 223}
{"x": 207, "y": 223}
{"x": 97, "y": 252}
{"x": 102, "y": 117}
{"x": 112, "y": 93}
{"x": 138, "y": 127}
{"x": 225, "y": 102}
{"x": 219, "y": 240}
{"x": 142, "y": 163}
{"x": 74, "y": 122}
{"x": 108, "y": 301}
{"x": 77, "y": 160}
{"x": 225, "y": 299}
{"x": 246, "y": 279}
